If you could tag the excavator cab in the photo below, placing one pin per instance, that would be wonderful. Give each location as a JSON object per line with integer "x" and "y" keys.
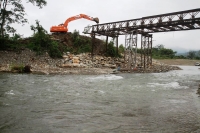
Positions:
{"x": 59, "y": 28}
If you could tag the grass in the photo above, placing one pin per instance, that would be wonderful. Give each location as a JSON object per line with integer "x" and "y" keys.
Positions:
{"x": 184, "y": 62}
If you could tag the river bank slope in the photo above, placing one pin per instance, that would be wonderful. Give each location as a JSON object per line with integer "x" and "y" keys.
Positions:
{"x": 73, "y": 64}
{"x": 185, "y": 62}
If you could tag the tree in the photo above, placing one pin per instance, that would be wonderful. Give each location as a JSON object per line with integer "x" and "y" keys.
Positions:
{"x": 191, "y": 54}
{"x": 159, "y": 46}
{"x": 121, "y": 48}
{"x": 168, "y": 53}
{"x": 160, "y": 51}
{"x": 41, "y": 42}
{"x": 13, "y": 11}
{"x": 111, "y": 51}
{"x": 198, "y": 53}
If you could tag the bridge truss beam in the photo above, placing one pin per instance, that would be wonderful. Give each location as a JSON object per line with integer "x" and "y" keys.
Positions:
{"x": 176, "y": 21}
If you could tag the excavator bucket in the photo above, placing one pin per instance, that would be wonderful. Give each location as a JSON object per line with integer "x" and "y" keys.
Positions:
{"x": 96, "y": 20}
{"x": 58, "y": 29}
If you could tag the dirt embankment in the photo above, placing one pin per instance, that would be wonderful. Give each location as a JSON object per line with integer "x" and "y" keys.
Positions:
{"x": 184, "y": 62}
{"x": 76, "y": 64}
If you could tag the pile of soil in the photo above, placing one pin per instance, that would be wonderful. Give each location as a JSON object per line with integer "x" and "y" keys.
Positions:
{"x": 66, "y": 39}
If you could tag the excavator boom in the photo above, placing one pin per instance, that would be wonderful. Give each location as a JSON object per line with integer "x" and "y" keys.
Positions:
{"x": 63, "y": 27}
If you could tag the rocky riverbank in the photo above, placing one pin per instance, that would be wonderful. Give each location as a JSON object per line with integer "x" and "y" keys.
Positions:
{"x": 198, "y": 90}
{"x": 72, "y": 64}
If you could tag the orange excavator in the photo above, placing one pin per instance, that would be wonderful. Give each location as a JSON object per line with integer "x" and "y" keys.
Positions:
{"x": 63, "y": 27}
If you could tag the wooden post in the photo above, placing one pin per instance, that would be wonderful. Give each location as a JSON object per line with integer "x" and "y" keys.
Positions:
{"x": 117, "y": 44}
{"x": 106, "y": 43}
{"x": 93, "y": 41}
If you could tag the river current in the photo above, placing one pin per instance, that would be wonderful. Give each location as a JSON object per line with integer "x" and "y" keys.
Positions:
{"x": 122, "y": 103}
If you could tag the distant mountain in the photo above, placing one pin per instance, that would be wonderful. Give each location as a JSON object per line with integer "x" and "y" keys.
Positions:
{"x": 180, "y": 50}
{"x": 186, "y": 53}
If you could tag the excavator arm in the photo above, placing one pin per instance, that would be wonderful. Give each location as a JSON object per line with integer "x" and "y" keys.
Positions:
{"x": 63, "y": 27}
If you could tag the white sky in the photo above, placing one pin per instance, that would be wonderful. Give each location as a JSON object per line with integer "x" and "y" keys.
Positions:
{"x": 57, "y": 11}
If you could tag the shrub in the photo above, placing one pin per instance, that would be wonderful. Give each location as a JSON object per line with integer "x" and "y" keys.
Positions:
{"x": 111, "y": 50}
{"x": 121, "y": 49}
{"x": 54, "y": 51}
{"x": 10, "y": 43}
{"x": 80, "y": 44}
{"x": 17, "y": 68}
{"x": 41, "y": 42}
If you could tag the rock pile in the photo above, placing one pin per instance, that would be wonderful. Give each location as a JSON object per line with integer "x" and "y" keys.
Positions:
{"x": 87, "y": 61}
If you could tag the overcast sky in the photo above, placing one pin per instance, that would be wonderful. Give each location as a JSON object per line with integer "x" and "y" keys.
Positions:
{"x": 57, "y": 11}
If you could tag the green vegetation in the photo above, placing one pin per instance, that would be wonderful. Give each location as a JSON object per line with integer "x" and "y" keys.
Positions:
{"x": 159, "y": 52}
{"x": 41, "y": 42}
{"x": 20, "y": 68}
{"x": 121, "y": 49}
{"x": 80, "y": 44}
{"x": 194, "y": 55}
{"x": 10, "y": 43}
{"x": 13, "y": 11}
{"x": 17, "y": 68}
{"x": 111, "y": 50}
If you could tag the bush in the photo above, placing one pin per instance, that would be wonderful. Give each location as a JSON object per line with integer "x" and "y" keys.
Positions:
{"x": 10, "y": 43}
{"x": 3, "y": 43}
{"x": 111, "y": 50}
{"x": 41, "y": 42}
{"x": 121, "y": 49}
{"x": 17, "y": 68}
{"x": 80, "y": 44}
{"x": 54, "y": 51}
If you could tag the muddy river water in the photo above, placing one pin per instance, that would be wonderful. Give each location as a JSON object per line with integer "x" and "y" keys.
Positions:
{"x": 122, "y": 103}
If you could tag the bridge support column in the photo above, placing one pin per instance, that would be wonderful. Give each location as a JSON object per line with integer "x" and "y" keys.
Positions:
{"x": 117, "y": 44}
{"x": 130, "y": 52}
{"x": 146, "y": 50}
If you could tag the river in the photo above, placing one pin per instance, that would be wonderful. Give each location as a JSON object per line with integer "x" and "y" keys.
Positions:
{"x": 122, "y": 103}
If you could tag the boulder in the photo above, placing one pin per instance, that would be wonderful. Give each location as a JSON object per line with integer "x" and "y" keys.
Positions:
{"x": 76, "y": 65}
{"x": 67, "y": 65}
{"x": 198, "y": 91}
{"x": 27, "y": 69}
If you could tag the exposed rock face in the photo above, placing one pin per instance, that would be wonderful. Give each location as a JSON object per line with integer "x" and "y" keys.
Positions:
{"x": 86, "y": 61}
{"x": 27, "y": 69}
{"x": 72, "y": 64}
{"x": 198, "y": 91}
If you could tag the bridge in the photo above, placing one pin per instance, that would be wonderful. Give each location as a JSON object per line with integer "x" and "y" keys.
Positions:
{"x": 145, "y": 26}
